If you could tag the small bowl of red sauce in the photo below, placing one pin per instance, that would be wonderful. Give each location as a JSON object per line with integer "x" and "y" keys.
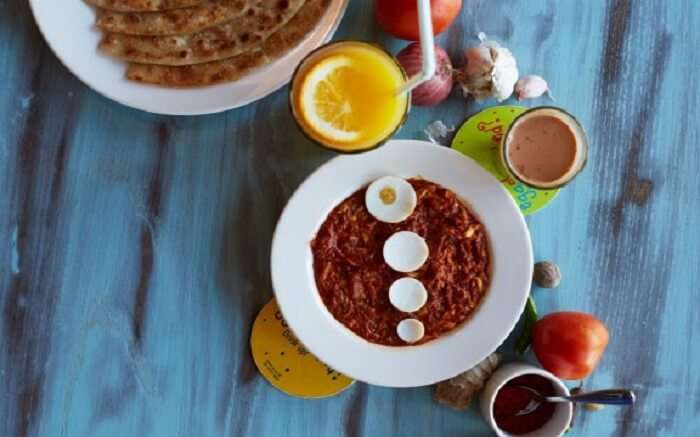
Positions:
{"x": 506, "y": 397}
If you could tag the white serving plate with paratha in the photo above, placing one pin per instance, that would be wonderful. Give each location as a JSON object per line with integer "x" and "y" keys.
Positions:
{"x": 69, "y": 28}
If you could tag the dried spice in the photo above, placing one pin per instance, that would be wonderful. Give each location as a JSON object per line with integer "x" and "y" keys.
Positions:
{"x": 458, "y": 392}
{"x": 547, "y": 274}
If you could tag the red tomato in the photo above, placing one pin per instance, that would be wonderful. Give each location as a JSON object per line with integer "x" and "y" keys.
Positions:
{"x": 569, "y": 344}
{"x": 400, "y": 17}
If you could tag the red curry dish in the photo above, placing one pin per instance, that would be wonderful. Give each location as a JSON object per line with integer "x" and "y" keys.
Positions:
{"x": 353, "y": 279}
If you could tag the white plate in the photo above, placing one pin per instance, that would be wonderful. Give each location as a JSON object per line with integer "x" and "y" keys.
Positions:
{"x": 329, "y": 340}
{"x": 68, "y": 27}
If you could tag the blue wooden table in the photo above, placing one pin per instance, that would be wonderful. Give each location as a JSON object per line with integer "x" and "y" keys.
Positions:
{"x": 134, "y": 248}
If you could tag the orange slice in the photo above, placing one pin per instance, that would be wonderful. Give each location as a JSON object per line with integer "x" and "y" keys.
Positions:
{"x": 326, "y": 101}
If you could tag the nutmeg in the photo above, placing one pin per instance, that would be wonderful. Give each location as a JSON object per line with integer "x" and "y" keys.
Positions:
{"x": 547, "y": 274}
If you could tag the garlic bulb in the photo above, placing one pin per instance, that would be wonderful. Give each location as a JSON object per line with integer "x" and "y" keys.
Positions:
{"x": 504, "y": 74}
{"x": 479, "y": 62}
{"x": 531, "y": 87}
{"x": 491, "y": 71}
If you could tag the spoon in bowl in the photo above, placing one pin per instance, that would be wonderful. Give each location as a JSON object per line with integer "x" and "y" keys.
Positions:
{"x": 616, "y": 396}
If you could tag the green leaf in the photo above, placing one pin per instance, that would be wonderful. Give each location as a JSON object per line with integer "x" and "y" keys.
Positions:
{"x": 530, "y": 316}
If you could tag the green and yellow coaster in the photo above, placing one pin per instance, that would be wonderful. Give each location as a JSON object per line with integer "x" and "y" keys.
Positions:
{"x": 479, "y": 138}
{"x": 286, "y": 364}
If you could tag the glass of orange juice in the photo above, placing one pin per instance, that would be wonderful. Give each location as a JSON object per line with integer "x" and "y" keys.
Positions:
{"x": 346, "y": 96}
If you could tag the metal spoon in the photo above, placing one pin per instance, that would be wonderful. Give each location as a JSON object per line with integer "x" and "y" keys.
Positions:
{"x": 615, "y": 396}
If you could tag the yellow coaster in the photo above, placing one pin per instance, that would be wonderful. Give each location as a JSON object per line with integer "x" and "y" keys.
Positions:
{"x": 286, "y": 363}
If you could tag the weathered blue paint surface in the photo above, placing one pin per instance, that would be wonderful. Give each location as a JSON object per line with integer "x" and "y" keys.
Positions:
{"x": 134, "y": 248}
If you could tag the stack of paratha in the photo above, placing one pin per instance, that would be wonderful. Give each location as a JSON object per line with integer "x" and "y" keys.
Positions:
{"x": 187, "y": 43}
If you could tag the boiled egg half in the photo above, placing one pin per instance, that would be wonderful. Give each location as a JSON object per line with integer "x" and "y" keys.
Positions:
{"x": 405, "y": 251}
{"x": 390, "y": 199}
{"x": 408, "y": 295}
{"x": 410, "y": 330}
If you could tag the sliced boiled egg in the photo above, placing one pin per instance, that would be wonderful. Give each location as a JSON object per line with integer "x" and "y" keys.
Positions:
{"x": 408, "y": 294}
{"x": 410, "y": 330}
{"x": 390, "y": 199}
{"x": 405, "y": 251}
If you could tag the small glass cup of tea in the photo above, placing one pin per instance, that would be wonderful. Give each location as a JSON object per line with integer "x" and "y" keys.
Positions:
{"x": 544, "y": 148}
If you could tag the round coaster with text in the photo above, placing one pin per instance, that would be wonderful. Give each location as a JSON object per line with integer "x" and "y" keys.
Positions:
{"x": 479, "y": 137}
{"x": 286, "y": 364}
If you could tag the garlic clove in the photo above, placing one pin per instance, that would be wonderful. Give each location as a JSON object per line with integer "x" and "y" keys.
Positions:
{"x": 531, "y": 87}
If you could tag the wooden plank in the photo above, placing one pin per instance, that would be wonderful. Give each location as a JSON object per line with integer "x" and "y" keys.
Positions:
{"x": 135, "y": 247}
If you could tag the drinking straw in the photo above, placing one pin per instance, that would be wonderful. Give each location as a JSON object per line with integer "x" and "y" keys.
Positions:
{"x": 427, "y": 45}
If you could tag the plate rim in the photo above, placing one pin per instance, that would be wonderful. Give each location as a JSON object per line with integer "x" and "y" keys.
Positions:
{"x": 326, "y": 36}
{"x": 391, "y": 380}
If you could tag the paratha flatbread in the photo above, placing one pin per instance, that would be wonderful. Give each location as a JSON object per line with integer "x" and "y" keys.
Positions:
{"x": 218, "y": 42}
{"x": 234, "y": 68}
{"x": 175, "y": 22}
{"x": 143, "y": 5}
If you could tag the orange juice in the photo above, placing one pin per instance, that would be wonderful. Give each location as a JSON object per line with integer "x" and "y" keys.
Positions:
{"x": 344, "y": 96}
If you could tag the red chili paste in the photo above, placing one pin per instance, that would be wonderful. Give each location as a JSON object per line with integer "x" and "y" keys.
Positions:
{"x": 353, "y": 279}
{"x": 511, "y": 399}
